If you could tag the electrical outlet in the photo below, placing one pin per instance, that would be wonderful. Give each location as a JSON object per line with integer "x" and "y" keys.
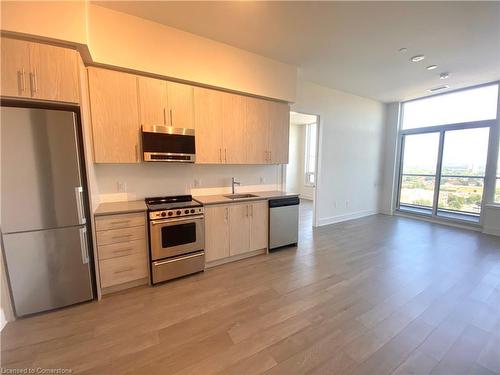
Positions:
{"x": 346, "y": 204}
{"x": 121, "y": 186}
{"x": 335, "y": 204}
{"x": 197, "y": 182}
{"x": 262, "y": 180}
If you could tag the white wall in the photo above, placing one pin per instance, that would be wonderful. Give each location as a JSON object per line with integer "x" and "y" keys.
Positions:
{"x": 295, "y": 170}
{"x": 159, "y": 179}
{"x": 350, "y": 152}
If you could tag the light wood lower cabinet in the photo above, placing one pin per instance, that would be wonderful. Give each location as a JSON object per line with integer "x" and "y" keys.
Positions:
{"x": 122, "y": 249}
{"x": 216, "y": 233}
{"x": 239, "y": 229}
{"x": 235, "y": 229}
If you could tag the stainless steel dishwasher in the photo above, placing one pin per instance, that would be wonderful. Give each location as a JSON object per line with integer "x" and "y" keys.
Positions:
{"x": 283, "y": 221}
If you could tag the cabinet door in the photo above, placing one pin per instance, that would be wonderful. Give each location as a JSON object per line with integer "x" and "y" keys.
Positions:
{"x": 216, "y": 233}
{"x": 208, "y": 125}
{"x": 239, "y": 229}
{"x": 234, "y": 129}
{"x": 15, "y": 68}
{"x": 54, "y": 73}
{"x": 115, "y": 118}
{"x": 152, "y": 101}
{"x": 256, "y": 131}
{"x": 279, "y": 129}
{"x": 258, "y": 225}
{"x": 181, "y": 107}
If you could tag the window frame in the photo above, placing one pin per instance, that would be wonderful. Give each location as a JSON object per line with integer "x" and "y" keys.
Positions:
{"x": 490, "y": 181}
{"x": 307, "y": 166}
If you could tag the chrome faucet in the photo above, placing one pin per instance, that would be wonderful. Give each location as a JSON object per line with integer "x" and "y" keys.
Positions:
{"x": 234, "y": 183}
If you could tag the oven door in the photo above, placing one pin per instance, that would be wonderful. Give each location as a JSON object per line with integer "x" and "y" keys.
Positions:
{"x": 176, "y": 236}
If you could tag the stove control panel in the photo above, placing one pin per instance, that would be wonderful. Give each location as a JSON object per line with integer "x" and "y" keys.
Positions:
{"x": 165, "y": 214}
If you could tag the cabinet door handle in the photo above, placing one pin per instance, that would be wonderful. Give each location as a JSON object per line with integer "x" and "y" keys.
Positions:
{"x": 220, "y": 155}
{"x": 125, "y": 270}
{"x": 226, "y": 216}
{"x": 225, "y": 155}
{"x": 164, "y": 116}
{"x": 247, "y": 210}
{"x": 122, "y": 236}
{"x": 23, "y": 80}
{"x": 34, "y": 83}
{"x": 171, "y": 118}
{"x": 251, "y": 210}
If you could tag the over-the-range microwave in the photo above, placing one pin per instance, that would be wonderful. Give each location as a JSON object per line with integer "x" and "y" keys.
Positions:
{"x": 166, "y": 143}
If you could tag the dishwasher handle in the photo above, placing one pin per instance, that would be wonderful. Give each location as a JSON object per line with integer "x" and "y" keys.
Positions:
{"x": 281, "y": 202}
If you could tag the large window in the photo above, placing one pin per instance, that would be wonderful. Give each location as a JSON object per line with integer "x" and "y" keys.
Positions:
{"x": 497, "y": 190}
{"x": 444, "y": 150}
{"x": 310, "y": 154}
{"x": 476, "y": 104}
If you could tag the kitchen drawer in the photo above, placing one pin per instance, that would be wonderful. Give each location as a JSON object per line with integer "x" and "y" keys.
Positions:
{"x": 108, "y": 237}
{"x": 123, "y": 269}
{"x": 120, "y": 221}
{"x": 121, "y": 249}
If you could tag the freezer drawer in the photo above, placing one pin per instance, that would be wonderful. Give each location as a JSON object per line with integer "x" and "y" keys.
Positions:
{"x": 48, "y": 269}
{"x": 283, "y": 225}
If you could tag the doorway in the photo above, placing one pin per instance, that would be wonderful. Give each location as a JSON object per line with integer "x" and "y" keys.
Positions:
{"x": 302, "y": 170}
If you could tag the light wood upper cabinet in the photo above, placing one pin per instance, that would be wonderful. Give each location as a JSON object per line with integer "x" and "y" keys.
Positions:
{"x": 180, "y": 105}
{"x": 153, "y": 106}
{"x": 39, "y": 71}
{"x": 208, "y": 111}
{"x": 15, "y": 60}
{"x": 239, "y": 229}
{"x": 54, "y": 73}
{"x": 115, "y": 118}
{"x": 234, "y": 129}
{"x": 279, "y": 129}
{"x": 216, "y": 232}
{"x": 257, "y": 131}
{"x": 258, "y": 225}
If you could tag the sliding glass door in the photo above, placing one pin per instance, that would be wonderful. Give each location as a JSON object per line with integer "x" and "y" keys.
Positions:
{"x": 442, "y": 162}
{"x": 463, "y": 169}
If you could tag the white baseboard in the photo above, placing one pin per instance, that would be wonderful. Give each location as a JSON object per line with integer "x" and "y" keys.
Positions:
{"x": 345, "y": 217}
{"x": 491, "y": 230}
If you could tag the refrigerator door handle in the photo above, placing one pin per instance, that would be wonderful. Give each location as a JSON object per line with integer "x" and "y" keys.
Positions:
{"x": 79, "y": 205}
{"x": 83, "y": 245}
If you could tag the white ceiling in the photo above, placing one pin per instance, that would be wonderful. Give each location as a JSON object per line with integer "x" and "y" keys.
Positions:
{"x": 350, "y": 46}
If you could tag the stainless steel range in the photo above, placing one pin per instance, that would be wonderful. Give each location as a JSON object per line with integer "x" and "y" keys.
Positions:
{"x": 176, "y": 237}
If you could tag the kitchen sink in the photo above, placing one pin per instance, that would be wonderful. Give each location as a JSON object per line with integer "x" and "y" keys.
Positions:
{"x": 240, "y": 196}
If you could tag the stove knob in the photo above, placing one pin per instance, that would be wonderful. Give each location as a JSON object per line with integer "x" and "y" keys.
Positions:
{"x": 192, "y": 211}
{"x": 170, "y": 213}
{"x": 186, "y": 212}
{"x": 178, "y": 212}
{"x": 163, "y": 214}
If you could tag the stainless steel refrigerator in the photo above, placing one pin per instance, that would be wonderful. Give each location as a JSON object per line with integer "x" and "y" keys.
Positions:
{"x": 43, "y": 206}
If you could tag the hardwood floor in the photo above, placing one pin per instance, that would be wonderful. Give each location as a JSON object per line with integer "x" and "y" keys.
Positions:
{"x": 378, "y": 295}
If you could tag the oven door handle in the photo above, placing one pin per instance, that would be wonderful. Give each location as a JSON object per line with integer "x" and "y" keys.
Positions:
{"x": 176, "y": 220}
{"x": 178, "y": 258}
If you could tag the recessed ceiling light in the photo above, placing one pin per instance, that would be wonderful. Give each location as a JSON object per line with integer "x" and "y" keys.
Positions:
{"x": 439, "y": 88}
{"x": 403, "y": 50}
{"x": 417, "y": 58}
{"x": 444, "y": 75}
{"x": 431, "y": 67}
